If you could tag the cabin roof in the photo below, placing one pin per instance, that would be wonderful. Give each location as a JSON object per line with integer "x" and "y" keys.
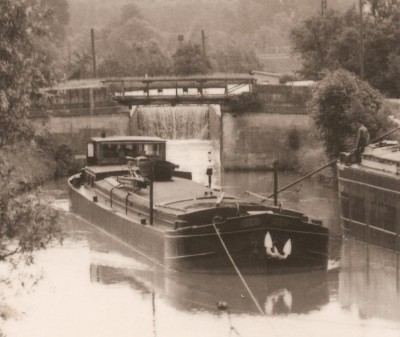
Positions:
{"x": 388, "y": 153}
{"x": 136, "y": 139}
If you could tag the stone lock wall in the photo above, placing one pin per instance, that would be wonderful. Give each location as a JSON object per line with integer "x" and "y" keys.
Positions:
{"x": 256, "y": 140}
{"x": 249, "y": 140}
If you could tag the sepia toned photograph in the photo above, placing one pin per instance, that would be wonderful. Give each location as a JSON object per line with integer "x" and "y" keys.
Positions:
{"x": 199, "y": 168}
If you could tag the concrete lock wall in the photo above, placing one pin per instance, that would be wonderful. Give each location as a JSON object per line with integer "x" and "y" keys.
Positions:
{"x": 250, "y": 140}
{"x": 216, "y": 132}
{"x": 76, "y": 131}
{"x": 77, "y": 114}
{"x": 256, "y": 140}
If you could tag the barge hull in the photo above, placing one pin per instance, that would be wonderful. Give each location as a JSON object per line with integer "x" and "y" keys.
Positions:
{"x": 370, "y": 204}
{"x": 199, "y": 248}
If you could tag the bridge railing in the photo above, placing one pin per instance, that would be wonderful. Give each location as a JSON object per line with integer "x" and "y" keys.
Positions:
{"x": 132, "y": 91}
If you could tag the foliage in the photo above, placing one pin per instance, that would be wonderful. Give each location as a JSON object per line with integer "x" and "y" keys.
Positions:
{"x": 26, "y": 222}
{"x": 294, "y": 139}
{"x": 332, "y": 41}
{"x": 127, "y": 46}
{"x": 234, "y": 60}
{"x": 58, "y": 19}
{"x": 245, "y": 102}
{"x": 138, "y": 59}
{"x": 341, "y": 99}
{"x": 59, "y": 155}
{"x": 327, "y": 42}
{"x": 80, "y": 67}
{"x": 188, "y": 60}
{"x": 25, "y": 66}
{"x": 285, "y": 78}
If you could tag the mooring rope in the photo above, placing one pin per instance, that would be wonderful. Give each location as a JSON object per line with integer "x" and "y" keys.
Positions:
{"x": 238, "y": 271}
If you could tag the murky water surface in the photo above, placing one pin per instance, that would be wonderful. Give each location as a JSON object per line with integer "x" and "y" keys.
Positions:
{"x": 95, "y": 286}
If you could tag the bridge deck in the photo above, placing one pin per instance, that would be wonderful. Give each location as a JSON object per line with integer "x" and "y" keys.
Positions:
{"x": 179, "y": 90}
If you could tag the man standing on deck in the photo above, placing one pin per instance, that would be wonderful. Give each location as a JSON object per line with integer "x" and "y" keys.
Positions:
{"x": 362, "y": 140}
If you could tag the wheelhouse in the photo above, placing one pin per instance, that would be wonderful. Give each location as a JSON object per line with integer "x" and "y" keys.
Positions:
{"x": 114, "y": 150}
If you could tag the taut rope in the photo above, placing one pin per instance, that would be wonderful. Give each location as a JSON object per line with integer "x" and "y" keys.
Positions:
{"x": 238, "y": 271}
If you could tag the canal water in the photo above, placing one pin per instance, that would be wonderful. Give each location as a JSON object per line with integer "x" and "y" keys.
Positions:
{"x": 92, "y": 285}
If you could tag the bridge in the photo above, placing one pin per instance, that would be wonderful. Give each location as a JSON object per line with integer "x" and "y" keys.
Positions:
{"x": 178, "y": 90}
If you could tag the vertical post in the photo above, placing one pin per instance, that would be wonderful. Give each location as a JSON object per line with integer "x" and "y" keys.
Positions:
{"x": 93, "y": 53}
{"x": 151, "y": 201}
{"x": 180, "y": 39}
{"x": 69, "y": 53}
{"x": 361, "y": 41}
{"x": 275, "y": 183}
{"x": 151, "y": 178}
{"x": 203, "y": 44}
{"x": 323, "y": 6}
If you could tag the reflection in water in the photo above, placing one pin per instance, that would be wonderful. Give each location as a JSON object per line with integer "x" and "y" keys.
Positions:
{"x": 283, "y": 294}
{"x": 370, "y": 280}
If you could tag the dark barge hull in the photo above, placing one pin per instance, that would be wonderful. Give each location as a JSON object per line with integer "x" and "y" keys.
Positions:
{"x": 199, "y": 249}
{"x": 370, "y": 204}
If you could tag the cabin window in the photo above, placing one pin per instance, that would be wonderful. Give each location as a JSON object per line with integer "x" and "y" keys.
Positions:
{"x": 90, "y": 150}
{"x": 141, "y": 150}
{"x": 132, "y": 150}
{"x": 109, "y": 150}
{"x": 357, "y": 210}
{"x": 152, "y": 150}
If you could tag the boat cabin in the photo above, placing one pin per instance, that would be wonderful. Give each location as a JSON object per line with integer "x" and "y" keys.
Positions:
{"x": 114, "y": 150}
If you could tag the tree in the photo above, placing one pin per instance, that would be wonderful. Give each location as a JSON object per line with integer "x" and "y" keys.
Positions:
{"x": 332, "y": 41}
{"x": 338, "y": 102}
{"x": 26, "y": 223}
{"x": 58, "y": 18}
{"x": 325, "y": 42}
{"x": 26, "y": 65}
{"x": 129, "y": 46}
{"x": 234, "y": 60}
{"x": 188, "y": 60}
{"x": 137, "y": 59}
{"x": 80, "y": 66}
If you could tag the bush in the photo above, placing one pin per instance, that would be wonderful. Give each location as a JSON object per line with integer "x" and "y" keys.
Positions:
{"x": 245, "y": 102}
{"x": 60, "y": 154}
{"x": 338, "y": 101}
{"x": 294, "y": 139}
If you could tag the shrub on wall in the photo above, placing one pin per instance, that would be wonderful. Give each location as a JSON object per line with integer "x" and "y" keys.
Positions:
{"x": 294, "y": 139}
{"x": 245, "y": 102}
{"x": 58, "y": 154}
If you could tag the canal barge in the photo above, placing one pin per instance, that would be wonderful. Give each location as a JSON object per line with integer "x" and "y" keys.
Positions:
{"x": 183, "y": 225}
{"x": 369, "y": 194}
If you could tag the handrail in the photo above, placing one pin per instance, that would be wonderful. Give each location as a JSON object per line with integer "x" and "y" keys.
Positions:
{"x": 111, "y": 193}
{"x": 126, "y": 202}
